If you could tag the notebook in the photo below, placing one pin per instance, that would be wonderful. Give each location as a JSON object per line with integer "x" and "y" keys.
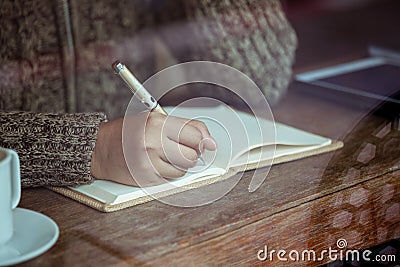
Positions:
{"x": 244, "y": 143}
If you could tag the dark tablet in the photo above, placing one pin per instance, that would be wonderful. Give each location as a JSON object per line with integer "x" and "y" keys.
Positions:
{"x": 371, "y": 80}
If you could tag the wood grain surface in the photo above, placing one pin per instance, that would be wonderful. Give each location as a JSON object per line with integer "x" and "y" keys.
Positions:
{"x": 306, "y": 204}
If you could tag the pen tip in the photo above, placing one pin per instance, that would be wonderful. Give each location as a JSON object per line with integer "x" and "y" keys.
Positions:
{"x": 115, "y": 64}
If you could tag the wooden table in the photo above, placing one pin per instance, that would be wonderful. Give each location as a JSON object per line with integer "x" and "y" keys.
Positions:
{"x": 353, "y": 193}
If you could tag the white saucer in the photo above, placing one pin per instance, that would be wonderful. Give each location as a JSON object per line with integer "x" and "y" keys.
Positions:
{"x": 34, "y": 234}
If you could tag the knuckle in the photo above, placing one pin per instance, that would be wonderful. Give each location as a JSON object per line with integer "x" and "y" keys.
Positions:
{"x": 150, "y": 146}
{"x": 151, "y": 149}
{"x": 198, "y": 136}
{"x": 195, "y": 135}
{"x": 192, "y": 163}
{"x": 180, "y": 173}
{"x": 199, "y": 124}
{"x": 191, "y": 155}
{"x": 155, "y": 120}
{"x": 173, "y": 174}
{"x": 153, "y": 144}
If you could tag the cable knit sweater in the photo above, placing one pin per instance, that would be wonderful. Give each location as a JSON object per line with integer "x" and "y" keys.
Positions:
{"x": 55, "y": 80}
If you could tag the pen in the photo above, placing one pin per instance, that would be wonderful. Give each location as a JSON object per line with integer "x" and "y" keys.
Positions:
{"x": 137, "y": 88}
{"x": 139, "y": 91}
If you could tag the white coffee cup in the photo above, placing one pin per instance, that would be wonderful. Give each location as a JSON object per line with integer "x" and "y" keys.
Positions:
{"x": 10, "y": 192}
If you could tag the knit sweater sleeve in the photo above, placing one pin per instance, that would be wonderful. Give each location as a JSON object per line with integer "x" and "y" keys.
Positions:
{"x": 54, "y": 149}
{"x": 253, "y": 36}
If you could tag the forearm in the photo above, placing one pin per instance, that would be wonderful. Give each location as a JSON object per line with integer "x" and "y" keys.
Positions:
{"x": 54, "y": 149}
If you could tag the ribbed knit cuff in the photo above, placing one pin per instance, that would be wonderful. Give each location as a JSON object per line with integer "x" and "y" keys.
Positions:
{"x": 54, "y": 149}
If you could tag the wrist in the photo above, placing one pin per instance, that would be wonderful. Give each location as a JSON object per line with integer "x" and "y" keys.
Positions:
{"x": 95, "y": 163}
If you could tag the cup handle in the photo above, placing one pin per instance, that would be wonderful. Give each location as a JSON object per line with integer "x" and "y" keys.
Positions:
{"x": 16, "y": 179}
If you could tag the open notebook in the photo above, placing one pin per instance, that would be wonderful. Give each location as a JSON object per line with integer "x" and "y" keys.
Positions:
{"x": 244, "y": 143}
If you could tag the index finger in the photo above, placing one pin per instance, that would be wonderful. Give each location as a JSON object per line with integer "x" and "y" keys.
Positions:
{"x": 180, "y": 131}
{"x": 207, "y": 140}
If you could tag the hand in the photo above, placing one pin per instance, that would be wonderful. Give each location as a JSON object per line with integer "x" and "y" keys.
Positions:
{"x": 156, "y": 147}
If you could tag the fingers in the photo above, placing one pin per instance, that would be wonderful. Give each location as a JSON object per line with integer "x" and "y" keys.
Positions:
{"x": 168, "y": 171}
{"x": 165, "y": 169}
{"x": 184, "y": 134}
{"x": 173, "y": 144}
{"x": 191, "y": 133}
{"x": 152, "y": 170}
{"x": 207, "y": 141}
{"x": 179, "y": 155}
{"x": 167, "y": 149}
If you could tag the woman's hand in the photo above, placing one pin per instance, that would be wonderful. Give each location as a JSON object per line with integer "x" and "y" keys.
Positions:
{"x": 156, "y": 147}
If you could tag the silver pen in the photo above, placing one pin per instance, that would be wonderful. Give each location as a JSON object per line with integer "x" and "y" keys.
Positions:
{"x": 139, "y": 91}
{"x": 137, "y": 88}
